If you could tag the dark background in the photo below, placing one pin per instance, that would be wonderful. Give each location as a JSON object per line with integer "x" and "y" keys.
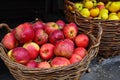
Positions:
{"x": 17, "y": 11}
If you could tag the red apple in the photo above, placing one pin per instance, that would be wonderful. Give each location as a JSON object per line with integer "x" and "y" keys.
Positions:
{"x": 100, "y": 5}
{"x": 20, "y": 55}
{"x": 33, "y": 49}
{"x": 43, "y": 64}
{"x": 13, "y": 31}
{"x": 46, "y": 51}
{"x": 75, "y": 58}
{"x": 80, "y": 51}
{"x": 24, "y": 32}
{"x": 41, "y": 36}
{"x": 64, "y": 48}
{"x": 59, "y": 62}
{"x": 56, "y": 36}
{"x": 82, "y": 40}
{"x": 70, "y": 31}
{"x": 31, "y": 64}
{"x": 69, "y": 41}
{"x": 60, "y": 23}
{"x": 50, "y": 27}
{"x": 9, "y": 41}
{"x": 38, "y": 25}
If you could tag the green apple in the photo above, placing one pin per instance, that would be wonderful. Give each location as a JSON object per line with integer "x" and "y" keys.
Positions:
{"x": 94, "y": 2}
{"x": 85, "y": 12}
{"x": 110, "y": 14}
{"x": 104, "y": 10}
{"x": 100, "y": 3}
{"x": 79, "y": 6}
{"x": 108, "y": 4}
{"x": 103, "y": 15}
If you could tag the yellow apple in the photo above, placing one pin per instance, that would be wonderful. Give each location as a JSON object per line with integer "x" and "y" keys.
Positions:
{"x": 71, "y": 8}
{"x": 85, "y": 1}
{"x": 110, "y": 14}
{"x": 118, "y": 14}
{"x": 114, "y": 7}
{"x": 94, "y": 12}
{"x": 104, "y": 11}
{"x": 85, "y": 12}
{"x": 103, "y": 15}
{"x": 9, "y": 53}
{"x": 88, "y": 4}
{"x": 113, "y": 17}
{"x": 100, "y": 3}
{"x": 79, "y": 6}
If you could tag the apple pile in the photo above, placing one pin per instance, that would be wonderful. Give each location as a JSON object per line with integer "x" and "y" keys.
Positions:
{"x": 98, "y": 10}
{"x": 46, "y": 45}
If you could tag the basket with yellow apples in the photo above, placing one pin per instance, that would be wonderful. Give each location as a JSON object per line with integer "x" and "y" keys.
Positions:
{"x": 94, "y": 11}
{"x": 46, "y": 51}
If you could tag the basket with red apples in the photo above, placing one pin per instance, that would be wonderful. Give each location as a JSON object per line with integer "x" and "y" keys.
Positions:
{"x": 48, "y": 51}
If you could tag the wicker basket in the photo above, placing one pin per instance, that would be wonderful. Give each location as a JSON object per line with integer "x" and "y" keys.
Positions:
{"x": 110, "y": 42}
{"x": 70, "y": 72}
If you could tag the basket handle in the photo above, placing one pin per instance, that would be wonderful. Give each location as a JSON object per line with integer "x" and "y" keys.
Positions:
{"x": 95, "y": 45}
{"x": 98, "y": 39}
{"x": 4, "y": 25}
{"x": 99, "y": 35}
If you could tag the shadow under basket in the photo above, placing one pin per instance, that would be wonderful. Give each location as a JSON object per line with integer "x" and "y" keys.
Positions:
{"x": 70, "y": 72}
{"x": 110, "y": 42}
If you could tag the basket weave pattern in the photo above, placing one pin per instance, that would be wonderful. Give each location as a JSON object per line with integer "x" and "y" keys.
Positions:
{"x": 70, "y": 72}
{"x": 110, "y": 42}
